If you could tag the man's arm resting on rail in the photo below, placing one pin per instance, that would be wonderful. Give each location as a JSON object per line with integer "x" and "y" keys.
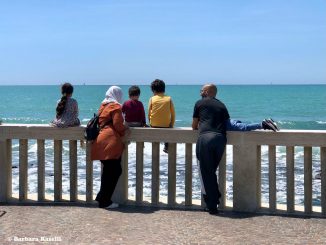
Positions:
{"x": 195, "y": 122}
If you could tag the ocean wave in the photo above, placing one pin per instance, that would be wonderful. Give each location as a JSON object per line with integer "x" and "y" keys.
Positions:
{"x": 25, "y": 120}
{"x": 285, "y": 122}
{"x": 308, "y": 125}
{"x": 321, "y": 122}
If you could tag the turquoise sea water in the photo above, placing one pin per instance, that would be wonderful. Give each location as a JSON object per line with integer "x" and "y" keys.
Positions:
{"x": 292, "y": 106}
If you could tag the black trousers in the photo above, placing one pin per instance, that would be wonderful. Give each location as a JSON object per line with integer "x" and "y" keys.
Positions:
{"x": 109, "y": 179}
{"x": 209, "y": 151}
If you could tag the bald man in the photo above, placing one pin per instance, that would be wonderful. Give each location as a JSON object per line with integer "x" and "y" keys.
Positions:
{"x": 209, "y": 118}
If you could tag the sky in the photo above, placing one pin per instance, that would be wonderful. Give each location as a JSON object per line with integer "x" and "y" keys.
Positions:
{"x": 179, "y": 41}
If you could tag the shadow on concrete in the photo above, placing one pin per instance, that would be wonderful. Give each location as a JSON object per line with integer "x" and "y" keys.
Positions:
{"x": 54, "y": 204}
{"x": 147, "y": 209}
{"x": 247, "y": 215}
{"x": 150, "y": 209}
{"x": 135, "y": 209}
{"x": 244, "y": 215}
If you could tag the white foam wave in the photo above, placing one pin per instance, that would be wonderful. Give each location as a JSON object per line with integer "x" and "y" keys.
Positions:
{"x": 321, "y": 122}
{"x": 25, "y": 120}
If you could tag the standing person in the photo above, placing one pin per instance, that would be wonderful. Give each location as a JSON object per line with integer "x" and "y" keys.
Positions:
{"x": 133, "y": 109}
{"x": 67, "y": 109}
{"x": 161, "y": 113}
{"x": 108, "y": 146}
{"x": 209, "y": 118}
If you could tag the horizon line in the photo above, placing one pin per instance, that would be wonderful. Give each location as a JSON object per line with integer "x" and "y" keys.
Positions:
{"x": 169, "y": 84}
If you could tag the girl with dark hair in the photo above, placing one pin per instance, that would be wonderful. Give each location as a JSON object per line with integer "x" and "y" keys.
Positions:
{"x": 67, "y": 109}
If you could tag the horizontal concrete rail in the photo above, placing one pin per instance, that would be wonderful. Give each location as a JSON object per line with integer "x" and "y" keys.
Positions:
{"x": 179, "y": 135}
{"x": 246, "y": 165}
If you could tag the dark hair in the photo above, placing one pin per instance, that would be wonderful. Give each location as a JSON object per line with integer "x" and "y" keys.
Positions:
{"x": 158, "y": 86}
{"x": 66, "y": 89}
{"x": 134, "y": 91}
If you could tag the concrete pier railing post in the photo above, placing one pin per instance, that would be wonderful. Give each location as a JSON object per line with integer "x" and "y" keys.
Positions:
{"x": 120, "y": 194}
{"x": 5, "y": 170}
{"x": 246, "y": 177}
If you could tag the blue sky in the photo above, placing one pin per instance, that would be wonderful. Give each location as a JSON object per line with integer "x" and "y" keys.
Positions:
{"x": 181, "y": 42}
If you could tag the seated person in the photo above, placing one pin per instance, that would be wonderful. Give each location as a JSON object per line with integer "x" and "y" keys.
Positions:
{"x": 67, "y": 109}
{"x": 161, "y": 112}
{"x": 133, "y": 109}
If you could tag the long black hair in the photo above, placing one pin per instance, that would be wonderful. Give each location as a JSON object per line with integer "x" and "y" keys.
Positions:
{"x": 66, "y": 89}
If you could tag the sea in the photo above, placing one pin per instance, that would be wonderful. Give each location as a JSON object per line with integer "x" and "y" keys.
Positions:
{"x": 291, "y": 106}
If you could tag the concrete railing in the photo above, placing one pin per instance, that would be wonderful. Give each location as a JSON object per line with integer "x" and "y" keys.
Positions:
{"x": 246, "y": 166}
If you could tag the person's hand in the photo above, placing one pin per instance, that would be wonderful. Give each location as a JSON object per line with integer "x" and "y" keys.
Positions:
{"x": 126, "y": 126}
{"x": 127, "y": 132}
{"x": 126, "y": 135}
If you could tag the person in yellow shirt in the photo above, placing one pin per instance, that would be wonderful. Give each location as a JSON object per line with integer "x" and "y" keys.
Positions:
{"x": 161, "y": 113}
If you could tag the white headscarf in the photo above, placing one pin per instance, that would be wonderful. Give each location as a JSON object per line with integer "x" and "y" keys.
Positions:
{"x": 114, "y": 94}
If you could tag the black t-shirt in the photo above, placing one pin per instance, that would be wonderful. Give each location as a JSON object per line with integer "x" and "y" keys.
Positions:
{"x": 212, "y": 115}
